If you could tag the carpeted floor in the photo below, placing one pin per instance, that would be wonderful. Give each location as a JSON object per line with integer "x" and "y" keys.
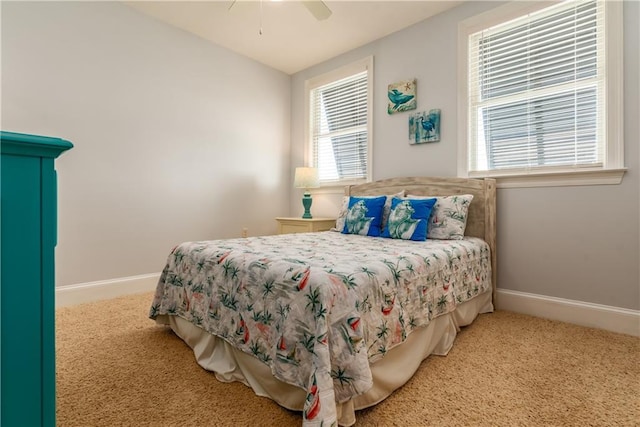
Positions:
{"x": 115, "y": 367}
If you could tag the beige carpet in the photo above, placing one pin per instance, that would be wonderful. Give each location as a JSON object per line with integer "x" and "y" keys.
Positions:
{"x": 115, "y": 367}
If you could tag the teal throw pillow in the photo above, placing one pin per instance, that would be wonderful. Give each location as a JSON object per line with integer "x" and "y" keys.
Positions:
{"x": 409, "y": 218}
{"x": 364, "y": 216}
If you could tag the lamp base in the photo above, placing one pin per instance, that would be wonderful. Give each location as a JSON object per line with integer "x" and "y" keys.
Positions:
{"x": 306, "y": 202}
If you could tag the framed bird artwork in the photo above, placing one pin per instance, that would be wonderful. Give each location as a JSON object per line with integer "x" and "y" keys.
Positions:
{"x": 424, "y": 127}
{"x": 402, "y": 96}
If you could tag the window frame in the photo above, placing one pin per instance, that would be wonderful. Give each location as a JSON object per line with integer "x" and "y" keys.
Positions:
{"x": 612, "y": 169}
{"x": 365, "y": 64}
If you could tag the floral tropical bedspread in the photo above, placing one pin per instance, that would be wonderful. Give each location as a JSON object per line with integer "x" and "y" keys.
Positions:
{"x": 318, "y": 308}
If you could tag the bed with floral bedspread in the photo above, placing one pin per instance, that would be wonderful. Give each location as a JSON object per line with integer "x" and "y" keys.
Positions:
{"x": 319, "y": 308}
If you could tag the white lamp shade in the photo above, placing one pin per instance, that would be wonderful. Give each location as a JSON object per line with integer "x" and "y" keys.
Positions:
{"x": 306, "y": 178}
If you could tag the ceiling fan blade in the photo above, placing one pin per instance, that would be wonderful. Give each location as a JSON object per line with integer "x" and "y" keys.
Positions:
{"x": 318, "y": 9}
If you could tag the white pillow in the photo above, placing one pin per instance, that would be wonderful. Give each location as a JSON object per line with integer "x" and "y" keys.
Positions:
{"x": 344, "y": 207}
{"x": 448, "y": 217}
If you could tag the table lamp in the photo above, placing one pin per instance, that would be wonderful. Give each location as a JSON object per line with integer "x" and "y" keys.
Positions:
{"x": 306, "y": 178}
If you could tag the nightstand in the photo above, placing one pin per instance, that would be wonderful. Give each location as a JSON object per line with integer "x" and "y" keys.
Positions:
{"x": 303, "y": 225}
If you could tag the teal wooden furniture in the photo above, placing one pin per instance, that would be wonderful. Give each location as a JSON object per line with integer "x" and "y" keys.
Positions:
{"x": 27, "y": 290}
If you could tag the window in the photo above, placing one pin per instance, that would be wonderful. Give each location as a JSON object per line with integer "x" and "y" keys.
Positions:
{"x": 542, "y": 92}
{"x": 339, "y": 124}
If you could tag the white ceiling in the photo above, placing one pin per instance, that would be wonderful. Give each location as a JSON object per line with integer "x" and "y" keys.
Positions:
{"x": 292, "y": 39}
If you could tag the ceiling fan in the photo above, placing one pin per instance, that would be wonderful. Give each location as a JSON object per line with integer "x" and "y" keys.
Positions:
{"x": 317, "y": 8}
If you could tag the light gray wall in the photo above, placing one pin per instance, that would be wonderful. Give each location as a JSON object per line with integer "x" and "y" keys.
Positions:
{"x": 579, "y": 243}
{"x": 175, "y": 139}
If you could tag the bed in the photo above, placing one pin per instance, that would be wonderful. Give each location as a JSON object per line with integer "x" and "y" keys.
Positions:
{"x": 329, "y": 323}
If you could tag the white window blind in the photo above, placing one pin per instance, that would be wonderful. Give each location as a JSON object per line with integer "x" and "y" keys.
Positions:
{"x": 338, "y": 127}
{"x": 536, "y": 91}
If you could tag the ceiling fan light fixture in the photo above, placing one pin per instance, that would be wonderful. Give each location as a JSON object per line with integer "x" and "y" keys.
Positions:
{"x": 318, "y": 9}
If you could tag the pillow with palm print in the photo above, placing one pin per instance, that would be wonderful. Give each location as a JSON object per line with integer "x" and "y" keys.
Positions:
{"x": 345, "y": 206}
{"x": 409, "y": 218}
{"x": 448, "y": 217}
{"x": 364, "y": 216}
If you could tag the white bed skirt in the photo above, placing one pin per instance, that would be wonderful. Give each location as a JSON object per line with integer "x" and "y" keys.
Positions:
{"x": 389, "y": 373}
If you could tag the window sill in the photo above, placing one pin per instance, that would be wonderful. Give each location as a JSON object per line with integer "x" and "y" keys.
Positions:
{"x": 557, "y": 179}
{"x": 336, "y": 187}
{"x": 329, "y": 189}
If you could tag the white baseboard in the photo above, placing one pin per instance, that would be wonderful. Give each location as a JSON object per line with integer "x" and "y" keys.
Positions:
{"x": 105, "y": 289}
{"x": 621, "y": 320}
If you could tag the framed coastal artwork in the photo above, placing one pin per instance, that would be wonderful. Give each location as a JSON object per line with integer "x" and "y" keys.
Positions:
{"x": 424, "y": 127}
{"x": 402, "y": 96}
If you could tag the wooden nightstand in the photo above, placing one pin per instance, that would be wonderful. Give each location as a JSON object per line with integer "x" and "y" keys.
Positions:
{"x": 302, "y": 225}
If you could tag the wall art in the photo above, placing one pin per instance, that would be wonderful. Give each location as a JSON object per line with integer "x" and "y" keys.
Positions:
{"x": 424, "y": 127}
{"x": 402, "y": 96}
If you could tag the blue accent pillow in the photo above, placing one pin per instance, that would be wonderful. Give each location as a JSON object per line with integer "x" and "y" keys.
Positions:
{"x": 409, "y": 218}
{"x": 364, "y": 216}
